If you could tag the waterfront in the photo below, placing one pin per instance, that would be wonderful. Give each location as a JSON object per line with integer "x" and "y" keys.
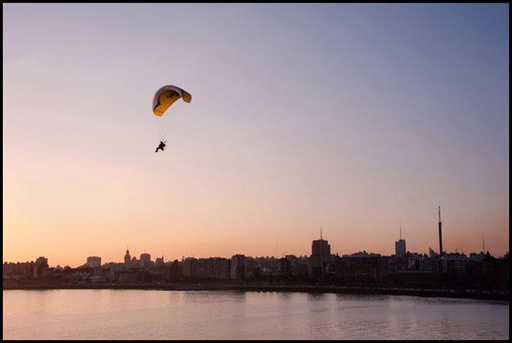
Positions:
{"x": 486, "y": 294}
{"x": 156, "y": 314}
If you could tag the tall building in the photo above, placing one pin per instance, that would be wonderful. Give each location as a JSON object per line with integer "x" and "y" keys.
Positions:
{"x": 400, "y": 249}
{"x": 320, "y": 255}
{"x": 127, "y": 258}
{"x": 321, "y": 249}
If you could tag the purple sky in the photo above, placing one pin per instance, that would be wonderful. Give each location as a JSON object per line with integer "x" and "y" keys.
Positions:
{"x": 353, "y": 118}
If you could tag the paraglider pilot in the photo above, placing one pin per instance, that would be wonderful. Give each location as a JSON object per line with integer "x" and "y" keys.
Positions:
{"x": 161, "y": 146}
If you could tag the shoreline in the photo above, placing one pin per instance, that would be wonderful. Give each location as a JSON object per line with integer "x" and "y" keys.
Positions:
{"x": 486, "y": 295}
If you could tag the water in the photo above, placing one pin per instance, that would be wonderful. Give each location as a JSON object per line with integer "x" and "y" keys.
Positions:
{"x": 237, "y": 315}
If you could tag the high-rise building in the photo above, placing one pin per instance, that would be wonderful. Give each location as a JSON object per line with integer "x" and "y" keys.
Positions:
{"x": 320, "y": 255}
{"x": 127, "y": 258}
{"x": 320, "y": 249}
{"x": 400, "y": 248}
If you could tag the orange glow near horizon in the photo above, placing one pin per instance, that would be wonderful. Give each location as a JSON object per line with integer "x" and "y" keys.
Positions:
{"x": 311, "y": 120}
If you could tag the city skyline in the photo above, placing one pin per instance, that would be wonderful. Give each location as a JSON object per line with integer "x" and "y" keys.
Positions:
{"x": 400, "y": 251}
{"x": 356, "y": 118}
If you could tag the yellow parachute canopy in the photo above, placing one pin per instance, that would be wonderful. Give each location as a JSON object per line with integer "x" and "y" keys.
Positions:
{"x": 166, "y": 96}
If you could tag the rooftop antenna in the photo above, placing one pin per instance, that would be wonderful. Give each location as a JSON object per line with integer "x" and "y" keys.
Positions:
{"x": 321, "y": 233}
{"x": 400, "y": 230}
{"x": 483, "y": 242}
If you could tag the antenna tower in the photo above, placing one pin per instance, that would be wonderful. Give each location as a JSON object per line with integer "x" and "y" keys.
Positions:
{"x": 440, "y": 234}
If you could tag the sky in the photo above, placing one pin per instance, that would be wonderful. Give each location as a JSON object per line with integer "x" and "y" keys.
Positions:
{"x": 354, "y": 122}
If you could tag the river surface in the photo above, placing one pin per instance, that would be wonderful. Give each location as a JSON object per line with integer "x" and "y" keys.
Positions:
{"x": 240, "y": 315}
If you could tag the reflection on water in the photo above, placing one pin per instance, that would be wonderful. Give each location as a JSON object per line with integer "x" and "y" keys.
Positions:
{"x": 317, "y": 296}
{"x": 285, "y": 296}
{"x": 206, "y": 297}
{"x": 235, "y": 315}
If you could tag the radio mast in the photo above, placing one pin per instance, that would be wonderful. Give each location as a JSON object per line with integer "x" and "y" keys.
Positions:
{"x": 440, "y": 234}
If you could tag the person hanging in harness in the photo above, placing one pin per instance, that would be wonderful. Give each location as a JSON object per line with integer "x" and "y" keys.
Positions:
{"x": 161, "y": 146}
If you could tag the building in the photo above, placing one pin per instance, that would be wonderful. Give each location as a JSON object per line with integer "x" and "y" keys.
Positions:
{"x": 431, "y": 253}
{"x": 93, "y": 261}
{"x": 361, "y": 267}
{"x": 206, "y": 268}
{"x": 41, "y": 268}
{"x": 127, "y": 259}
{"x": 159, "y": 262}
{"x": 400, "y": 249}
{"x": 238, "y": 266}
{"x": 320, "y": 257}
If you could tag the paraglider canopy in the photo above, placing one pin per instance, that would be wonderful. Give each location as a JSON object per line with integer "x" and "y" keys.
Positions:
{"x": 166, "y": 96}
